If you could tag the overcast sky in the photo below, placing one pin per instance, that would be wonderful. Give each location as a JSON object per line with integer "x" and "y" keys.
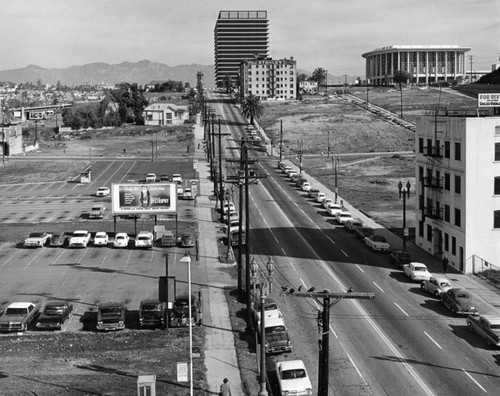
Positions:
{"x": 331, "y": 34}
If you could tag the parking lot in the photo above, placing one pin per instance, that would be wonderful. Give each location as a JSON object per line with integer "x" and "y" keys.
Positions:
{"x": 89, "y": 276}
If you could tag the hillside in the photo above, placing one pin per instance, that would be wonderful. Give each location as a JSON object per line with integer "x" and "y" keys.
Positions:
{"x": 141, "y": 72}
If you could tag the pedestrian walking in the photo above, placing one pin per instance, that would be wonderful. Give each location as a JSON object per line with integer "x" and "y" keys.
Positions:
{"x": 124, "y": 151}
{"x": 445, "y": 264}
{"x": 225, "y": 388}
{"x": 139, "y": 150}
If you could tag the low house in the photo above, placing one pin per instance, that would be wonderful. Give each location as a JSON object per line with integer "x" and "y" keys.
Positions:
{"x": 11, "y": 139}
{"x": 164, "y": 114}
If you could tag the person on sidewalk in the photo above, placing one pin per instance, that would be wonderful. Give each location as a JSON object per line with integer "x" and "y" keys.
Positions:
{"x": 225, "y": 388}
{"x": 445, "y": 264}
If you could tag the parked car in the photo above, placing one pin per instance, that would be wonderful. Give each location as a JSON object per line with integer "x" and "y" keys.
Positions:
{"x": 59, "y": 239}
{"x": 313, "y": 192}
{"x": 320, "y": 197}
{"x": 188, "y": 194}
{"x": 352, "y": 224}
{"x": 150, "y": 178}
{"x": 168, "y": 239}
{"x": 121, "y": 240}
{"x": 101, "y": 238}
{"x": 332, "y": 209}
{"x": 363, "y": 232}
{"x": 377, "y": 243}
{"x": 151, "y": 313}
{"x": 37, "y": 239}
{"x": 276, "y": 336}
{"x": 187, "y": 240}
{"x": 459, "y": 301}
{"x": 228, "y": 206}
{"x": 293, "y": 378}
{"x": 416, "y": 271}
{"x": 487, "y": 326}
{"x": 180, "y": 191}
{"x": 165, "y": 178}
{"x": 306, "y": 186}
{"x": 54, "y": 314}
{"x": 177, "y": 178}
{"x": 111, "y": 316}
{"x": 327, "y": 201}
{"x": 102, "y": 192}
{"x": 271, "y": 310}
{"x": 436, "y": 285}
{"x": 342, "y": 217}
{"x": 18, "y": 316}
{"x": 80, "y": 238}
{"x": 179, "y": 316}
{"x": 97, "y": 212}
{"x": 144, "y": 239}
{"x": 399, "y": 258}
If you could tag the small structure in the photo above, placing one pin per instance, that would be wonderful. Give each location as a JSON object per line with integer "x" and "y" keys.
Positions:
{"x": 11, "y": 139}
{"x": 146, "y": 385}
{"x": 165, "y": 114}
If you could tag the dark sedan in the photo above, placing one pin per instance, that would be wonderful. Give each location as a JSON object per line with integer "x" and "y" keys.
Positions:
{"x": 54, "y": 315}
{"x": 459, "y": 301}
{"x": 59, "y": 239}
{"x": 399, "y": 258}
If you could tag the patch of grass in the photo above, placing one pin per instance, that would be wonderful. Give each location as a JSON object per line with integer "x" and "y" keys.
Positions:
{"x": 492, "y": 276}
{"x": 40, "y": 171}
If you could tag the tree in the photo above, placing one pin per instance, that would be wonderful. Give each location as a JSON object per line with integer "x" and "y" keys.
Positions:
{"x": 251, "y": 107}
{"x": 401, "y": 77}
{"x": 319, "y": 75}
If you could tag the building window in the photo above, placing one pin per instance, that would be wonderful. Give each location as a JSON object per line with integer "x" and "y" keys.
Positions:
{"x": 497, "y": 186}
{"x": 496, "y": 219}
{"x": 497, "y": 151}
{"x": 429, "y": 232}
{"x": 446, "y": 149}
{"x": 420, "y": 145}
{"x": 429, "y": 146}
{"x": 421, "y": 229}
{"x": 458, "y": 215}
{"x": 458, "y": 184}
{"x": 447, "y": 213}
{"x": 458, "y": 151}
{"x": 446, "y": 242}
{"x": 453, "y": 245}
{"x": 447, "y": 181}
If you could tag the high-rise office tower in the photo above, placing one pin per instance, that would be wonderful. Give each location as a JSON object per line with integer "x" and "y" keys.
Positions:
{"x": 238, "y": 36}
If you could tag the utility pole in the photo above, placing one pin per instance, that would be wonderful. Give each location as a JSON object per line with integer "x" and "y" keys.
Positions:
{"x": 470, "y": 58}
{"x": 328, "y": 152}
{"x": 335, "y": 164}
{"x": 221, "y": 186}
{"x": 3, "y": 133}
{"x": 324, "y": 298}
{"x": 299, "y": 152}
{"x": 281, "y": 140}
{"x": 404, "y": 193}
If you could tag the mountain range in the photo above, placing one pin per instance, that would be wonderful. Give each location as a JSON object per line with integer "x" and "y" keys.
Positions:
{"x": 141, "y": 72}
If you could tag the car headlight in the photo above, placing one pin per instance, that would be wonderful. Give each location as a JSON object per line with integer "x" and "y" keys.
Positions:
{"x": 284, "y": 393}
{"x": 309, "y": 391}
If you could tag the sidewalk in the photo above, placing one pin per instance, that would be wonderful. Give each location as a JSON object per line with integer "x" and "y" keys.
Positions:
{"x": 487, "y": 296}
{"x": 220, "y": 354}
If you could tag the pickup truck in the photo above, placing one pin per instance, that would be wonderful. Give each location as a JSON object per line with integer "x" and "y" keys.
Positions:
{"x": 151, "y": 313}
{"x": 276, "y": 336}
{"x": 377, "y": 243}
{"x": 111, "y": 316}
{"x": 18, "y": 316}
{"x": 487, "y": 326}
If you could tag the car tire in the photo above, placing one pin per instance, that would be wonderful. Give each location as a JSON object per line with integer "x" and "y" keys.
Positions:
{"x": 422, "y": 286}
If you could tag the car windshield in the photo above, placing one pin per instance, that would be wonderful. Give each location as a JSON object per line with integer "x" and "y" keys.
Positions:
{"x": 103, "y": 189}
{"x": 151, "y": 307}
{"x": 16, "y": 311}
{"x": 291, "y": 374}
{"x": 100, "y": 235}
{"x": 52, "y": 310}
{"x": 445, "y": 284}
{"x": 143, "y": 238}
{"x": 463, "y": 295}
{"x": 111, "y": 310}
{"x": 418, "y": 269}
{"x": 36, "y": 235}
{"x": 379, "y": 238}
{"x": 80, "y": 234}
{"x": 120, "y": 237}
{"x": 275, "y": 329}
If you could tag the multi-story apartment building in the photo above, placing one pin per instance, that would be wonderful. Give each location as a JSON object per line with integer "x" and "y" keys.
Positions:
{"x": 425, "y": 63}
{"x": 269, "y": 78}
{"x": 238, "y": 36}
{"x": 458, "y": 187}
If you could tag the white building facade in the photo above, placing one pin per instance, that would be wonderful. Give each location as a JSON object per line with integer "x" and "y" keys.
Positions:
{"x": 458, "y": 188}
{"x": 165, "y": 114}
{"x": 269, "y": 78}
{"x": 425, "y": 63}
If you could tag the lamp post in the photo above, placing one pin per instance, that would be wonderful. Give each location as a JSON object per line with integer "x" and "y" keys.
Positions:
{"x": 187, "y": 259}
{"x": 404, "y": 193}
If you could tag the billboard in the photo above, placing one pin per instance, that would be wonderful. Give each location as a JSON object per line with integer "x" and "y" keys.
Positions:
{"x": 147, "y": 198}
{"x": 489, "y": 100}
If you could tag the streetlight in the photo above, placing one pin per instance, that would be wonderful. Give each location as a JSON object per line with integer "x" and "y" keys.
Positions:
{"x": 404, "y": 193}
{"x": 187, "y": 259}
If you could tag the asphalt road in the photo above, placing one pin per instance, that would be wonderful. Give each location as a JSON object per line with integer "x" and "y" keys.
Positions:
{"x": 403, "y": 342}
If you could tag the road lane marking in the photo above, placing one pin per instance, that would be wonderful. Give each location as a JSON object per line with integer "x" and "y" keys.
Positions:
{"x": 430, "y": 338}
{"x": 33, "y": 259}
{"x": 11, "y": 257}
{"x": 401, "y": 309}
{"x": 345, "y": 254}
{"x": 355, "y": 367}
{"x": 358, "y": 267}
{"x": 477, "y": 383}
{"x": 379, "y": 287}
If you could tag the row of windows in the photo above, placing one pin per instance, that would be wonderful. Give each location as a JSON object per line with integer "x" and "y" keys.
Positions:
{"x": 446, "y": 239}
{"x": 250, "y": 86}
{"x": 435, "y": 149}
{"x": 268, "y": 79}
{"x": 278, "y": 94}
{"x": 267, "y": 72}
{"x": 435, "y": 180}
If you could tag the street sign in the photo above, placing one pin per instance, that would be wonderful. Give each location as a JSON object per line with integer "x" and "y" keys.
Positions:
{"x": 488, "y": 100}
{"x": 182, "y": 372}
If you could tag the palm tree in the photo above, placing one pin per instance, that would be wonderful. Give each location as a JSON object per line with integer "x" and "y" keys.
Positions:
{"x": 400, "y": 77}
{"x": 319, "y": 75}
{"x": 251, "y": 107}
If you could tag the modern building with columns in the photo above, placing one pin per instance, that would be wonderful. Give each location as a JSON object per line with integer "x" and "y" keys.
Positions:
{"x": 425, "y": 63}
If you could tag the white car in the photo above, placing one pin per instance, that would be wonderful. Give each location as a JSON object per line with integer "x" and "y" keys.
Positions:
{"x": 416, "y": 271}
{"x": 121, "y": 240}
{"x": 177, "y": 178}
{"x": 327, "y": 201}
{"x": 342, "y": 217}
{"x": 144, "y": 239}
{"x": 188, "y": 194}
{"x": 271, "y": 310}
{"x": 101, "y": 238}
{"x": 320, "y": 197}
{"x": 333, "y": 208}
{"x": 293, "y": 378}
{"x": 229, "y": 206}
{"x": 150, "y": 178}
{"x": 37, "y": 239}
{"x": 377, "y": 243}
{"x": 436, "y": 285}
{"x": 80, "y": 238}
{"x": 352, "y": 224}
{"x": 306, "y": 186}
{"x": 102, "y": 192}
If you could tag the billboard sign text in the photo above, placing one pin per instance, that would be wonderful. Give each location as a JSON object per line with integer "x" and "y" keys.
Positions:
{"x": 148, "y": 198}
